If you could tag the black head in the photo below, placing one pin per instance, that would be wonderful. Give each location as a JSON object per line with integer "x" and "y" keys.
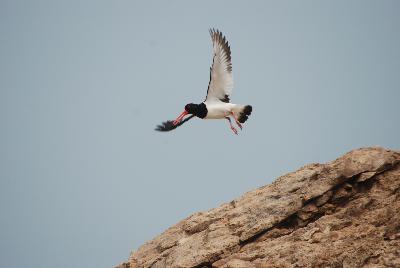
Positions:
{"x": 191, "y": 108}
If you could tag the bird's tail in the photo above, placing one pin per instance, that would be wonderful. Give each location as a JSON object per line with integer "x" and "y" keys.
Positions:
{"x": 242, "y": 112}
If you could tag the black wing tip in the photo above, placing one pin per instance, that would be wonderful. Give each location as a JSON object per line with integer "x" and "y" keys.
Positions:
{"x": 169, "y": 125}
{"x": 217, "y": 36}
{"x": 166, "y": 126}
{"x": 213, "y": 30}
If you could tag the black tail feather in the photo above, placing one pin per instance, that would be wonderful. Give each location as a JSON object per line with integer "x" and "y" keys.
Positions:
{"x": 245, "y": 113}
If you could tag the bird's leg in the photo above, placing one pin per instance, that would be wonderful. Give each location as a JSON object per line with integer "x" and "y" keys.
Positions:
{"x": 232, "y": 127}
{"x": 237, "y": 121}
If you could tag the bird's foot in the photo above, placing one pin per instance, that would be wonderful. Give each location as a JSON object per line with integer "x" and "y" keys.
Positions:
{"x": 239, "y": 125}
{"x": 234, "y": 130}
{"x": 237, "y": 121}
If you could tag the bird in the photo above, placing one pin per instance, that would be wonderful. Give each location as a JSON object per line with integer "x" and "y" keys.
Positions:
{"x": 217, "y": 103}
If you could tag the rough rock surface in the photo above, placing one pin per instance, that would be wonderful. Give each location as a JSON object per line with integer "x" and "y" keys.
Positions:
{"x": 345, "y": 213}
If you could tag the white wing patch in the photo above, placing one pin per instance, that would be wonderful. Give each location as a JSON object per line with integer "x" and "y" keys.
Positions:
{"x": 221, "y": 79}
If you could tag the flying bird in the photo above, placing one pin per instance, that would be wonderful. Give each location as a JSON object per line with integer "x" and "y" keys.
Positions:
{"x": 217, "y": 104}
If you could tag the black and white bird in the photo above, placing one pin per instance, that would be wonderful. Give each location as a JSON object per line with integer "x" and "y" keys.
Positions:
{"x": 217, "y": 103}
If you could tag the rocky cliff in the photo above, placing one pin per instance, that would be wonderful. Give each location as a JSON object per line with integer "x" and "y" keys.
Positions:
{"x": 345, "y": 213}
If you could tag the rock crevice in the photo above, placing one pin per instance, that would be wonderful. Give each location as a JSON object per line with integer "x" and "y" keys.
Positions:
{"x": 343, "y": 213}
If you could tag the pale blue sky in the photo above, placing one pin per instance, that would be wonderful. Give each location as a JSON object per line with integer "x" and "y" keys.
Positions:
{"x": 84, "y": 178}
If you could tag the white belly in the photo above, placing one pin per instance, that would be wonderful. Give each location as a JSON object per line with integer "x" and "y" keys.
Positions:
{"x": 218, "y": 110}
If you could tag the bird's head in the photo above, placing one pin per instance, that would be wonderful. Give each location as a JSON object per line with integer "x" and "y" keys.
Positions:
{"x": 190, "y": 108}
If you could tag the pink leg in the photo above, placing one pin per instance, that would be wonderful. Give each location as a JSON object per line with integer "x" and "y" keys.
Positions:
{"x": 232, "y": 127}
{"x": 237, "y": 121}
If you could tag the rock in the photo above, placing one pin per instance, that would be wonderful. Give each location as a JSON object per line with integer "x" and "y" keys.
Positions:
{"x": 345, "y": 213}
{"x": 234, "y": 263}
{"x": 323, "y": 198}
{"x": 365, "y": 176}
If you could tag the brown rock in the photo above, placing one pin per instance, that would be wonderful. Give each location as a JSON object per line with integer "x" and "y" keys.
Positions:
{"x": 323, "y": 198}
{"x": 345, "y": 213}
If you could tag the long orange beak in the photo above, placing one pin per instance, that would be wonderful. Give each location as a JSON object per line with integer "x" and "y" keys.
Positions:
{"x": 180, "y": 117}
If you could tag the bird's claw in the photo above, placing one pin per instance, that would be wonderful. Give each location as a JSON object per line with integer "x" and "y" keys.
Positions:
{"x": 234, "y": 130}
{"x": 239, "y": 125}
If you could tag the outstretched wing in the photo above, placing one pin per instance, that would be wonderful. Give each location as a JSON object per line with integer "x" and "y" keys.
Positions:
{"x": 168, "y": 125}
{"x": 221, "y": 80}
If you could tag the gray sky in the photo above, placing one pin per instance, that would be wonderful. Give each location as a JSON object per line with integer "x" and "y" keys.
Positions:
{"x": 84, "y": 178}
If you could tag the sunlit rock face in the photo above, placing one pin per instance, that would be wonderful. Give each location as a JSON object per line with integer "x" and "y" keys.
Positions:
{"x": 345, "y": 213}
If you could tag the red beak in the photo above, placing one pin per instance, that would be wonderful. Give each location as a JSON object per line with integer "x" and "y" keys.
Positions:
{"x": 180, "y": 117}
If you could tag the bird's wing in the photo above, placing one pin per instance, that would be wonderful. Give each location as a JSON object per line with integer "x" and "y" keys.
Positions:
{"x": 221, "y": 80}
{"x": 169, "y": 125}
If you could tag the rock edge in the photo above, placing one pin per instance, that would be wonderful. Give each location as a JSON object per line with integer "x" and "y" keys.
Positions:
{"x": 303, "y": 219}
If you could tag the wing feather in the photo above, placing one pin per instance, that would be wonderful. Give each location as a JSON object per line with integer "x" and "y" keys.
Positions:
{"x": 221, "y": 79}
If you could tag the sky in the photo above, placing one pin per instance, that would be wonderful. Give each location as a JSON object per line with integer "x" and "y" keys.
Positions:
{"x": 85, "y": 179}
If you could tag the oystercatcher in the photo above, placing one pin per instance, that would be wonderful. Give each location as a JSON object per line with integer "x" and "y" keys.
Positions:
{"x": 217, "y": 103}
